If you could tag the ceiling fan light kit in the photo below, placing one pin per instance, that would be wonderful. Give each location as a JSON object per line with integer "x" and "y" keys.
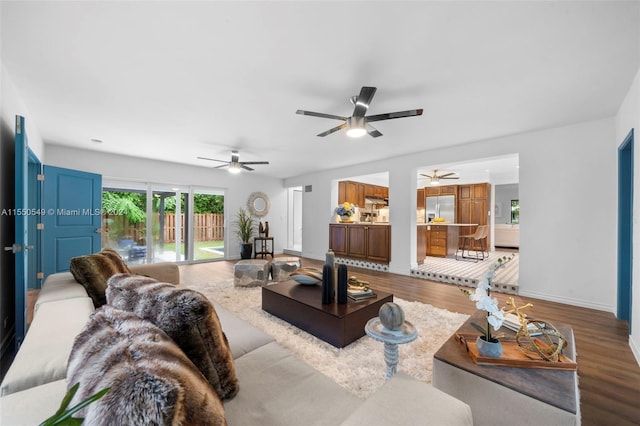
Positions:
{"x": 358, "y": 124}
{"x": 355, "y": 127}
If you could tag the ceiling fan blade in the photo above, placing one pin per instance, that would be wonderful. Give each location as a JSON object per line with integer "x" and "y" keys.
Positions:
{"x": 373, "y": 132}
{"x": 246, "y": 168}
{"x": 212, "y": 159}
{"x": 390, "y": 115}
{"x": 253, "y": 162}
{"x": 452, "y": 177}
{"x": 363, "y": 101}
{"x": 221, "y": 166}
{"x": 446, "y": 174}
{"x": 335, "y": 129}
{"x": 321, "y": 115}
{"x": 427, "y": 176}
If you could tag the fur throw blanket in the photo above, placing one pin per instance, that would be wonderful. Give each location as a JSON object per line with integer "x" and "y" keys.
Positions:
{"x": 93, "y": 271}
{"x": 187, "y": 317}
{"x": 152, "y": 382}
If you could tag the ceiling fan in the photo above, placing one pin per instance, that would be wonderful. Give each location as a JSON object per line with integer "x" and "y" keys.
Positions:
{"x": 235, "y": 165}
{"x": 358, "y": 124}
{"x": 435, "y": 177}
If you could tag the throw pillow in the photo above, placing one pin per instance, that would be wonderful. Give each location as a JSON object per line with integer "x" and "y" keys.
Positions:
{"x": 187, "y": 317}
{"x": 93, "y": 271}
{"x": 151, "y": 380}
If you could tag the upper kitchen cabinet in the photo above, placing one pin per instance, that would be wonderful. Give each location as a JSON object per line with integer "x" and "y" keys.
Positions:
{"x": 356, "y": 192}
{"x": 475, "y": 191}
{"x": 440, "y": 190}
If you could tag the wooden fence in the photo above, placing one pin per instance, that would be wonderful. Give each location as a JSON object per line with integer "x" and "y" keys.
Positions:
{"x": 207, "y": 227}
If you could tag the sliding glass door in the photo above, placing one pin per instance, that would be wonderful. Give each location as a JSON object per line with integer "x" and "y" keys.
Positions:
{"x": 160, "y": 223}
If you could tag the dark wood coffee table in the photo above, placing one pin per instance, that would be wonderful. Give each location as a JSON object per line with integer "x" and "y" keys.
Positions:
{"x": 301, "y": 305}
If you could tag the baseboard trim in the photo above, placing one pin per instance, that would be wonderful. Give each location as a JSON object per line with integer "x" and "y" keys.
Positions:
{"x": 567, "y": 301}
{"x": 634, "y": 350}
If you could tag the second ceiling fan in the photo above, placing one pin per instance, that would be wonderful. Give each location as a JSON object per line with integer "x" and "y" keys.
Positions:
{"x": 235, "y": 165}
{"x": 358, "y": 124}
{"x": 435, "y": 177}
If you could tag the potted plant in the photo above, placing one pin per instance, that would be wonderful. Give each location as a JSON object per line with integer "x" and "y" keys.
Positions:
{"x": 487, "y": 344}
{"x": 245, "y": 228}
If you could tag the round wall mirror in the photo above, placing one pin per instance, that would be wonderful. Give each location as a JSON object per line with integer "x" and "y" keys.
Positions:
{"x": 258, "y": 204}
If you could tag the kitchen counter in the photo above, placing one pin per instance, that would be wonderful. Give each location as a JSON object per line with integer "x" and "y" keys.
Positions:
{"x": 447, "y": 224}
{"x": 440, "y": 239}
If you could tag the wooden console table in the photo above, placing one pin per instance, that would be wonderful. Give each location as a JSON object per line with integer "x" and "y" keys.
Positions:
{"x": 500, "y": 395}
{"x": 262, "y": 246}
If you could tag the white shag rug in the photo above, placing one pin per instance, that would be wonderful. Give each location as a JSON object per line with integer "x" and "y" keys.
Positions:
{"x": 359, "y": 367}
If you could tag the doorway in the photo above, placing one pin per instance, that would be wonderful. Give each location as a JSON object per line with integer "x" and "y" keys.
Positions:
{"x": 625, "y": 228}
{"x": 294, "y": 222}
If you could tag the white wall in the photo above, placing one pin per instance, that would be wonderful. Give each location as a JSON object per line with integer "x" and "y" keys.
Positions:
{"x": 561, "y": 222}
{"x": 12, "y": 105}
{"x": 238, "y": 187}
{"x": 629, "y": 117}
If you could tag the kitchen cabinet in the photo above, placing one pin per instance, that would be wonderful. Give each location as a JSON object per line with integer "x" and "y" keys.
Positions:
{"x": 420, "y": 200}
{"x": 422, "y": 244}
{"x": 441, "y": 190}
{"x": 356, "y": 192}
{"x": 473, "y": 206}
{"x": 441, "y": 240}
{"x": 370, "y": 242}
{"x": 338, "y": 239}
{"x": 437, "y": 241}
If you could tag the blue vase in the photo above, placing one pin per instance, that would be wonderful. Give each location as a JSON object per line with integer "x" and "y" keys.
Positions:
{"x": 491, "y": 349}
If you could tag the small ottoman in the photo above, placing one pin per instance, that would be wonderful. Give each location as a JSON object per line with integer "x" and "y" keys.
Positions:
{"x": 250, "y": 273}
{"x": 282, "y": 267}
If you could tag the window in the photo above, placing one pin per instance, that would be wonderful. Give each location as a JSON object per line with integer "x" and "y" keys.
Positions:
{"x": 515, "y": 211}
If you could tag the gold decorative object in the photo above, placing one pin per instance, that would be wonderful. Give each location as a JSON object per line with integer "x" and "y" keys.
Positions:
{"x": 546, "y": 343}
{"x": 355, "y": 284}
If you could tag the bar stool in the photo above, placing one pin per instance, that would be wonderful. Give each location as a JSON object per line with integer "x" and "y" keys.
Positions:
{"x": 479, "y": 236}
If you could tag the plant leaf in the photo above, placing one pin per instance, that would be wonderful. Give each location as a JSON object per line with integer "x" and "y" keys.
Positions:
{"x": 479, "y": 328}
{"x": 64, "y": 417}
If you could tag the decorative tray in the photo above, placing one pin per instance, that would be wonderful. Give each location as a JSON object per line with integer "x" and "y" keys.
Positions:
{"x": 512, "y": 356}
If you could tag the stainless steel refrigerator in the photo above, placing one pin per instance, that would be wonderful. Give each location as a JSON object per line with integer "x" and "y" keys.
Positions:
{"x": 441, "y": 206}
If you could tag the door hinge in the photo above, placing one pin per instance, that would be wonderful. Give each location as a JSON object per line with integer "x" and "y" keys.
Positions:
{"x": 40, "y": 226}
{"x": 40, "y": 177}
{"x": 40, "y": 275}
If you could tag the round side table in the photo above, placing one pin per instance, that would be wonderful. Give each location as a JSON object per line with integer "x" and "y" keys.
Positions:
{"x": 391, "y": 339}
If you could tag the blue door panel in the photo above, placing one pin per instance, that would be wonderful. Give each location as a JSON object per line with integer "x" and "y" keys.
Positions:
{"x": 21, "y": 230}
{"x": 72, "y": 200}
{"x": 72, "y": 247}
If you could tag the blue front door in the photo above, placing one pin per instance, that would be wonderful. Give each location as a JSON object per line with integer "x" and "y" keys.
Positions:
{"x": 73, "y": 220}
{"x": 22, "y": 233}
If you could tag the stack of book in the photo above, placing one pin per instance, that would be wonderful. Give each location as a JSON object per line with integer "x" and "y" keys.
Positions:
{"x": 512, "y": 322}
{"x": 360, "y": 294}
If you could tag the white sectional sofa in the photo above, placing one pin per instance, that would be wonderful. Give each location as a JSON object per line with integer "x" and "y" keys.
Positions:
{"x": 276, "y": 388}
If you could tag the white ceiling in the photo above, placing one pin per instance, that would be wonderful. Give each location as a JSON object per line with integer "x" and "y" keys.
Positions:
{"x": 177, "y": 80}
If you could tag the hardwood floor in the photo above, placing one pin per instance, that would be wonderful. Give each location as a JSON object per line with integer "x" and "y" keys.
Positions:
{"x": 609, "y": 376}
